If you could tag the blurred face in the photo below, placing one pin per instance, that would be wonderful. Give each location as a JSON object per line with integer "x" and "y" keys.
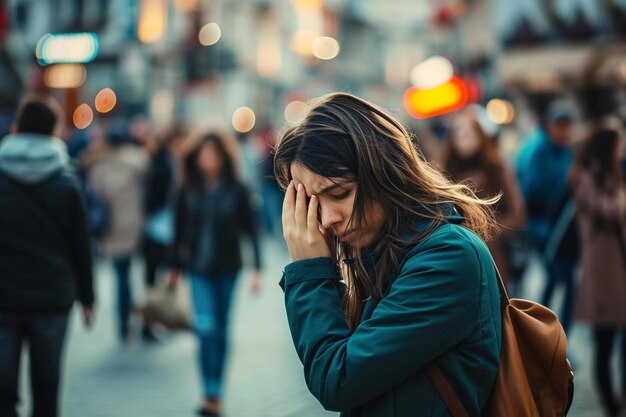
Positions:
{"x": 336, "y": 202}
{"x": 465, "y": 139}
{"x": 209, "y": 161}
{"x": 560, "y": 133}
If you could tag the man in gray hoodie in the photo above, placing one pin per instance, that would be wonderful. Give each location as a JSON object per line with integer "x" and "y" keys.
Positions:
{"x": 44, "y": 254}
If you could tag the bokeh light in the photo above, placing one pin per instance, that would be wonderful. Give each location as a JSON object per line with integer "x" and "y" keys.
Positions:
{"x": 325, "y": 47}
{"x": 152, "y": 22}
{"x": 431, "y": 73}
{"x": 432, "y": 102}
{"x": 209, "y": 34}
{"x": 105, "y": 100}
{"x": 67, "y": 48}
{"x": 65, "y": 76}
{"x": 83, "y": 116}
{"x": 302, "y": 42}
{"x": 243, "y": 119}
{"x": 295, "y": 111}
{"x": 500, "y": 111}
{"x": 307, "y": 5}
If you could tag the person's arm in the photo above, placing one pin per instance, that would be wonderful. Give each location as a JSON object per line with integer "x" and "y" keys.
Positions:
{"x": 175, "y": 256}
{"x": 156, "y": 185}
{"x": 428, "y": 310}
{"x": 249, "y": 224}
{"x": 81, "y": 253}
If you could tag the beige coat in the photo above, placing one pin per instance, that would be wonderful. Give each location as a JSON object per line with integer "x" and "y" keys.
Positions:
{"x": 602, "y": 290}
{"x": 118, "y": 176}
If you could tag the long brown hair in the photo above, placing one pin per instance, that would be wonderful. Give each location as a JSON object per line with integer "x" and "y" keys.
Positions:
{"x": 346, "y": 137}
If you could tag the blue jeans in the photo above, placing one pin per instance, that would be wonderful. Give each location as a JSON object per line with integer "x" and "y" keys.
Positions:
{"x": 124, "y": 294}
{"x": 562, "y": 271}
{"x": 212, "y": 296}
{"x": 45, "y": 334}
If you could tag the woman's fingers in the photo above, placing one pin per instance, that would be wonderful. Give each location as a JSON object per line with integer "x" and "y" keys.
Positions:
{"x": 312, "y": 221}
{"x": 301, "y": 208}
{"x": 288, "y": 206}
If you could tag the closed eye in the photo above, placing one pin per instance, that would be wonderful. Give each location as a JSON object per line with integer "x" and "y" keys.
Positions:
{"x": 341, "y": 196}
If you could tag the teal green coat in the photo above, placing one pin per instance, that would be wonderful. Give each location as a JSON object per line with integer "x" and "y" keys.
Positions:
{"x": 443, "y": 306}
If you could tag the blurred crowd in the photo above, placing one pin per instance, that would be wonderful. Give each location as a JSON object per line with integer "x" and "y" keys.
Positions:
{"x": 182, "y": 201}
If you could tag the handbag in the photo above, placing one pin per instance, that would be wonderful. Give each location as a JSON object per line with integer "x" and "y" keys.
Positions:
{"x": 169, "y": 305}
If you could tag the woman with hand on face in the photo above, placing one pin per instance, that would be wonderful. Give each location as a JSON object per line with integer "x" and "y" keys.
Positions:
{"x": 389, "y": 272}
{"x": 213, "y": 213}
{"x": 470, "y": 156}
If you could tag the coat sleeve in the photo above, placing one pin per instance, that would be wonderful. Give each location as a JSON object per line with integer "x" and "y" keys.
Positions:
{"x": 81, "y": 250}
{"x": 249, "y": 224}
{"x": 175, "y": 256}
{"x": 427, "y": 311}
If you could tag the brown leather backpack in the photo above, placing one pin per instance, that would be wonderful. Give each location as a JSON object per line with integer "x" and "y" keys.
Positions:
{"x": 534, "y": 379}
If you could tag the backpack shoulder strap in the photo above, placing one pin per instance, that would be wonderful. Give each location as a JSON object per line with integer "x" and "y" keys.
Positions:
{"x": 446, "y": 391}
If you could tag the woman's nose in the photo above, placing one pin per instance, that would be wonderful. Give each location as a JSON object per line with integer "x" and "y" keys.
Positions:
{"x": 330, "y": 218}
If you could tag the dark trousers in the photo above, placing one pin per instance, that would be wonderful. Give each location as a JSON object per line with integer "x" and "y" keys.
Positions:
{"x": 562, "y": 271}
{"x": 604, "y": 338}
{"x": 124, "y": 293}
{"x": 44, "y": 334}
{"x": 155, "y": 255}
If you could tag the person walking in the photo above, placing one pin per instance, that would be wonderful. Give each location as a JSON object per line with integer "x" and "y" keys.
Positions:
{"x": 600, "y": 200}
{"x": 44, "y": 254}
{"x": 213, "y": 213}
{"x": 390, "y": 272}
{"x": 543, "y": 164}
{"x": 470, "y": 156}
{"x": 116, "y": 173}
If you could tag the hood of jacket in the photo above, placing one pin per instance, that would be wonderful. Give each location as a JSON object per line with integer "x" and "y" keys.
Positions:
{"x": 31, "y": 158}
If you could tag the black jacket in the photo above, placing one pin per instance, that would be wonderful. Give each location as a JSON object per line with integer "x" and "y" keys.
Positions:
{"x": 45, "y": 259}
{"x": 234, "y": 217}
{"x": 159, "y": 182}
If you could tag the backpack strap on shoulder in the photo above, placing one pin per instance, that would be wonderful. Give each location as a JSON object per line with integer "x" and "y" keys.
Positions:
{"x": 446, "y": 391}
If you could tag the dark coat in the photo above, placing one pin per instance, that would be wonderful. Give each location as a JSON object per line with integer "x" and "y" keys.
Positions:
{"x": 159, "y": 182}
{"x": 44, "y": 251}
{"x": 234, "y": 218}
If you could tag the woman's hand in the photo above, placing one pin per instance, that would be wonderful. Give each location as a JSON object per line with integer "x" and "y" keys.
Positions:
{"x": 301, "y": 227}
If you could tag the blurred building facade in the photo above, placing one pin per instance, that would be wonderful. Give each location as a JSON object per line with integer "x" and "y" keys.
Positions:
{"x": 200, "y": 61}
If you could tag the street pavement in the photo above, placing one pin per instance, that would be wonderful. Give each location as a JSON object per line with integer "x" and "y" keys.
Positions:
{"x": 107, "y": 378}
